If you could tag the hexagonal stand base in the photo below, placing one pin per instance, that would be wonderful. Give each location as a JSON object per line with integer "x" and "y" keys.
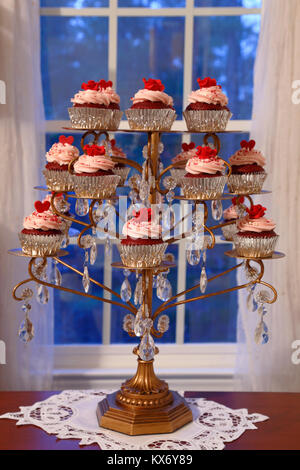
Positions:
{"x": 135, "y": 421}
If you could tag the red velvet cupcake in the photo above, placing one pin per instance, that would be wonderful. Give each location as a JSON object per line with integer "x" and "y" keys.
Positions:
{"x": 58, "y": 158}
{"x": 188, "y": 151}
{"x": 152, "y": 109}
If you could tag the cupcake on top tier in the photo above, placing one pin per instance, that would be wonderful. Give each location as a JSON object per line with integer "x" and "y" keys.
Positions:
{"x": 143, "y": 245}
{"x": 188, "y": 151}
{"x": 204, "y": 178}
{"x": 256, "y": 237}
{"x": 43, "y": 231}
{"x": 96, "y": 106}
{"x": 120, "y": 168}
{"x": 152, "y": 109}
{"x": 93, "y": 174}
{"x": 207, "y": 109}
{"x": 231, "y": 214}
{"x": 248, "y": 174}
{"x": 58, "y": 158}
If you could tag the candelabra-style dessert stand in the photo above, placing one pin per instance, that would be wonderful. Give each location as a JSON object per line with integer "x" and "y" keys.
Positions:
{"x": 144, "y": 404}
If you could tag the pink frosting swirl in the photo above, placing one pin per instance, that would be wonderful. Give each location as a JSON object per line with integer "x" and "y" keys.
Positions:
{"x": 102, "y": 96}
{"x": 136, "y": 229}
{"x": 152, "y": 95}
{"x": 209, "y": 95}
{"x": 93, "y": 163}
{"x": 230, "y": 213}
{"x": 184, "y": 155}
{"x": 46, "y": 220}
{"x": 247, "y": 157}
{"x": 198, "y": 165}
{"x": 261, "y": 224}
{"x": 62, "y": 154}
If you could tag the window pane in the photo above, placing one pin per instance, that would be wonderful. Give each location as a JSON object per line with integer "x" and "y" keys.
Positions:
{"x": 140, "y": 43}
{"x": 73, "y": 50}
{"x": 152, "y": 3}
{"x": 228, "y": 3}
{"x": 74, "y": 3}
{"x": 225, "y": 49}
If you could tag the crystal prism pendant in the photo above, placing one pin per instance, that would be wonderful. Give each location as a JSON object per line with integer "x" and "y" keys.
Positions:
{"x": 55, "y": 277}
{"x": 163, "y": 323}
{"x": 42, "y": 295}
{"x": 138, "y": 292}
{"x": 203, "y": 280}
{"x": 139, "y": 327}
{"x": 147, "y": 348}
{"x": 26, "y": 330}
{"x": 86, "y": 279}
{"x": 216, "y": 209}
{"x": 164, "y": 290}
{"x": 82, "y": 207}
{"x": 93, "y": 253}
{"x": 107, "y": 247}
{"x": 125, "y": 290}
{"x": 193, "y": 257}
{"x": 128, "y": 322}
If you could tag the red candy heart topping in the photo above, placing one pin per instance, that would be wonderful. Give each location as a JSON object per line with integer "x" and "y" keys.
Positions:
{"x": 154, "y": 85}
{"x": 237, "y": 200}
{"x": 207, "y": 82}
{"x": 248, "y": 145}
{"x": 93, "y": 150}
{"x": 66, "y": 140}
{"x": 92, "y": 85}
{"x": 113, "y": 142}
{"x": 187, "y": 147}
{"x": 41, "y": 206}
{"x": 205, "y": 152}
{"x": 256, "y": 211}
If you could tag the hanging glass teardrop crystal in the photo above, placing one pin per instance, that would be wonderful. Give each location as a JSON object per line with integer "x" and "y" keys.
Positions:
{"x": 139, "y": 327}
{"x": 93, "y": 253}
{"x": 26, "y": 330}
{"x": 193, "y": 257}
{"x": 27, "y": 293}
{"x": 107, "y": 246}
{"x": 55, "y": 277}
{"x": 168, "y": 218}
{"x": 203, "y": 280}
{"x": 160, "y": 147}
{"x": 42, "y": 295}
{"x": 147, "y": 348}
{"x": 82, "y": 207}
{"x": 147, "y": 324}
{"x": 145, "y": 151}
{"x": 216, "y": 209}
{"x": 138, "y": 292}
{"x": 164, "y": 290}
{"x": 125, "y": 290}
{"x": 86, "y": 279}
{"x": 26, "y": 307}
{"x": 163, "y": 323}
{"x": 128, "y": 322}
{"x": 144, "y": 190}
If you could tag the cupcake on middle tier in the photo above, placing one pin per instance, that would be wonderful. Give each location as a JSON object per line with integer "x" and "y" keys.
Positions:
{"x": 93, "y": 174}
{"x": 232, "y": 214}
{"x": 143, "y": 246}
{"x": 188, "y": 151}
{"x": 152, "y": 108}
{"x": 120, "y": 168}
{"x": 205, "y": 177}
{"x": 58, "y": 158}
{"x": 248, "y": 174}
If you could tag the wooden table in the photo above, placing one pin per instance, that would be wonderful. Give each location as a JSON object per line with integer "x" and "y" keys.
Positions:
{"x": 281, "y": 431}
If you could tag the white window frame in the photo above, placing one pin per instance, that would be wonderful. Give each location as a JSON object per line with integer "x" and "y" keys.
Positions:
{"x": 209, "y": 365}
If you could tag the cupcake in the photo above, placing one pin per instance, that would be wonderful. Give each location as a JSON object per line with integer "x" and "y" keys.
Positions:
{"x": 43, "y": 231}
{"x": 204, "y": 178}
{"x": 120, "y": 169}
{"x": 207, "y": 109}
{"x": 58, "y": 158}
{"x": 247, "y": 164}
{"x": 93, "y": 174}
{"x": 143, "y": 246}
{"x": 231, "y": 214}
{"x": 188, "y": 151}
{"x": 152, "y": 109}
{"x": 96, "y": 106}
{"x": 255, "y": 237}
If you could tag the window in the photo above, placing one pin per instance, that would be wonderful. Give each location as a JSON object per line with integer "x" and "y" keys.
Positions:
{"x": 125, "y": 40}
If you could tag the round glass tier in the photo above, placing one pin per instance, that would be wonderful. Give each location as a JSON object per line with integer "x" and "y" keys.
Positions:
{"x": 19, "y": 252}
{"x": 275, "y": 255}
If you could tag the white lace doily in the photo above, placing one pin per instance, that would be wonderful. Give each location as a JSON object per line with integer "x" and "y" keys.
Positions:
{"x": 72, "y": 415}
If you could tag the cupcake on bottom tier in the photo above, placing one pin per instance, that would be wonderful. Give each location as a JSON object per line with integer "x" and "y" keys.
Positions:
{"x": 188, "y": 151}
{"x": 43, "y": 231}
{"x": 143, "y": 246}
{"x": 232, "y": 214}
{"x": 207, "y": 109}
{"x": 204, "y": 178}
{"x": 255, "y": 237}
{"x": 93, "y": 174}
{"x": 248, "y": 174}
{"x": 58, "y": 158}
{"x": 152, "y": 109}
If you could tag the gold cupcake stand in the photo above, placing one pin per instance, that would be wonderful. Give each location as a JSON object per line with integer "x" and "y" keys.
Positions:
{"x": 144, "y": 404}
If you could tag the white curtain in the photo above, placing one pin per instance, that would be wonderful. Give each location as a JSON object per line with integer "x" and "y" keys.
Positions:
{"x": 276, "y": 129}
{"x": 22, "y": 148}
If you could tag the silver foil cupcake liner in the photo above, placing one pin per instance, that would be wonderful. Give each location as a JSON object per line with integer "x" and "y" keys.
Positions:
{"x": 123, "y": 173}
{"x": 229, "y": 231}
{"x": 255, "y": 247}
{"x": 142, "y": 256}
{"x": 95, "y": 187}
{"x": 95, "y": 118}
{"x": 177, "y": 174}
{"x": 246, "y": 183}
{"x": 58, "y": 180}
{"x": 40, "y": 245}
{"x": 209, "y": 120}
{"x": 150, "y": 119}
{"x": 203, "y": 188}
